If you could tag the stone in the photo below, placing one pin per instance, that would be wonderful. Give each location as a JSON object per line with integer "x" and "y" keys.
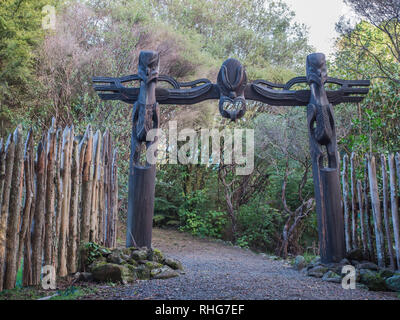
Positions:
{"x": 158, "y": 256}
{"x": 331, "y": 276}
{"x": 299, "y": 263}
{"x": 142, "y": 272}
{"x": 113, "y": 272}
{"x": 164, "y": 273}
{"x": 386, "y": 273}
{"x": 139, "y": 254}
{"x": 85, "y": 276}
{"x": 173, "y": 263}
{"x": 372, "y": 280}
{"x": 317, "y": 271}
{"x": 345, "y": 262}
{"x": 114, "y": 257}
{"x": 355, "y": 254}
{"x": 152, "y": 265}
{"x": 367, "y": 265}
{"x": 316, "y": 260}
{"x": 393, "y": 283}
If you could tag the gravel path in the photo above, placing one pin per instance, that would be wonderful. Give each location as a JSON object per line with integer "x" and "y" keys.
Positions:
{"x": 215, "y": 271}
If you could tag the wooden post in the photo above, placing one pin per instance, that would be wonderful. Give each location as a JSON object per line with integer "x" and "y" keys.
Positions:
{"x": 94, "y": 228}
{"x": 367, "y": 211}
{"x": 9, "y": 164}
{"x": 87, "y": 187}
{"x": 394, "y": 207}
{"x": 101, "y": 189}
{"x": 373, "y": 182}
{"x": 362, "y": 220}
{"x": 37, "y": 252}
{"x": 14, "y": 211}
{"x": 354, "y": 222}
{"x": 73, "y": 215}
{"x": 66, "y": 177}
{"x": 386, "y": 213}
{"x": 50, "y": 194}
{"x": 345, "y": 186}
{"x": 115, "y": 198}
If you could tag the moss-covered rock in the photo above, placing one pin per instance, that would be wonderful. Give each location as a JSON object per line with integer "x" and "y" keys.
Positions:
{"x": 331, "y": 276}
{"x": 113, "y": 272}
{"x": 158, "y": 256}
{"x": 372, "y": 280}
{"x": 163, "y": 273}
{"x": 393, "y": 283}
{"x": 140, "y": 254}
{"x": 173, "y": 263}
{"x": 317, "y": 271}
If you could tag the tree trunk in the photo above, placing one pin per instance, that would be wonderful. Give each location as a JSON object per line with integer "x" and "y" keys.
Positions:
{"x": 354, "y": 222}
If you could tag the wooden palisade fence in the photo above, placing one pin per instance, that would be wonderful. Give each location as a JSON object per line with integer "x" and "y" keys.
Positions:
{"x": 53, "y": 198}
{"x": 371, "y": 185}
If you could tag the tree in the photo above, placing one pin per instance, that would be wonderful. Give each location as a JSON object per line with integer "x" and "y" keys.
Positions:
{"x": 377, "y": 38}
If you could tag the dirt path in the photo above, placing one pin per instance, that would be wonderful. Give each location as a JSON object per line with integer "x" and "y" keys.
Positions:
{"x": 215, "y": 271}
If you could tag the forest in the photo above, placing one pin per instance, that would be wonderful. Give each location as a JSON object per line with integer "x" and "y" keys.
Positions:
{"x": 47, "y": 73}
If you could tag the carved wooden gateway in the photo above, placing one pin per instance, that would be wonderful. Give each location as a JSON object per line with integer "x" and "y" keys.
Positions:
{"x": 232, "y": 88}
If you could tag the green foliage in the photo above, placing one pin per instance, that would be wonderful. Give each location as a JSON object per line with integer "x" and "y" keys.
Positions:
{"x": 94, "y": 251}
{"x": 260, "y": 226}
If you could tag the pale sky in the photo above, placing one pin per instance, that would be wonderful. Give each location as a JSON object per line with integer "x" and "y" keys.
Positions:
{"x": 320, "y": 16}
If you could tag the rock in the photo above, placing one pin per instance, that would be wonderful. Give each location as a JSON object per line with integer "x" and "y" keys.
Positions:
{"x": 367, "y": 265}
{"x": 139, "y": 254}
{"x": 273, "y": 258}
{"x": 142, "y": 272}
{"x": 115, "y": 257}
{"x": 113, "y": 272}
{"x": 164, "y": 273}
{"x": 386, "y": 273}
{"x": 335, "y": 267}
{"x": 316, "y": 260}
{"x": 173, "y": 263}
{"x": 345, "y": 262}
{"x": 158, "y": 256}
{"x": 372, "y": 280}
{"x": 299, "y": 263}
{"x": 317, "y": 271}
{"x": 152, "y": 265}
{"x": 355, "y": 254}
{"x": 393, "y": 283}
{"x": 85, "y": 276}
{"x": 331, "y": 276}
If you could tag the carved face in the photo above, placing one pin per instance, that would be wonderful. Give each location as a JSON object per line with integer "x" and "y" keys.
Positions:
{"x": 232, "y": 81}
{"x": 316, "y": 69}
{"x": 149, "y": 62}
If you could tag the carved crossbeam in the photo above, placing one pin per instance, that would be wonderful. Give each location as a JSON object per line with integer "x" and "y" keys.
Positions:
{"x": 189, "y": 93}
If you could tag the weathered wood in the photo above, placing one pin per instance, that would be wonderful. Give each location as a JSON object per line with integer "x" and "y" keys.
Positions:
{"x": 114, "y": 198}
{"x": 362, "y": 220}
{"x": 94, "y": 228}
{"x": 101, "y": 189}
{"x": 37, "y": 251}
{"x": 2, "y": 169}
{"x": 386, "y": 219}
{"x": 375, "y": 202}
{"x": 65, "y": 172}
{"x": 354, "y": 223}
{"x": 50, "y": 194}
{"x": 345, "y": 186}
{"x": 9, "y": 164}
{"x": 27, "y": 277}
{"x": 87, "y": 187}
{"x": 14, "y": 216}
{"x": 108, "y": 188}
{"x": 394, "y": 206}
{"x": 29, "y": 186}
{"x": 368, "y": 227}
{"x": 73, "y": 215}
{"x": 59, "y": 197}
